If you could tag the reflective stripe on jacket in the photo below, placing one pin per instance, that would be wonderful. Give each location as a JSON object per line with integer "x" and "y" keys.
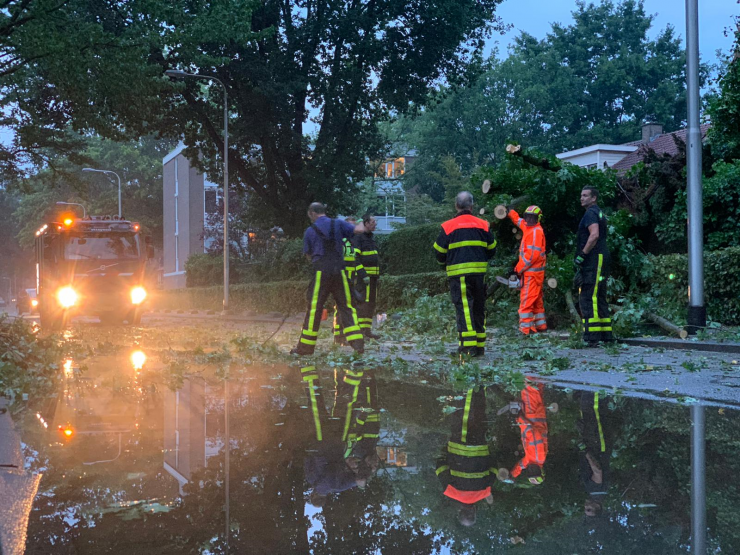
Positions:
{"x": 366, "y": 251}
{"x": 464, "y": 245}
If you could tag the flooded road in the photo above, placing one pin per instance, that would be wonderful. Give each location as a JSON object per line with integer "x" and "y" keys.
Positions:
{"x": 344, "y": 459}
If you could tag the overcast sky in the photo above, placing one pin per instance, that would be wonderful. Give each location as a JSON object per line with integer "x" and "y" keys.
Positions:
{"x": 535, "y": 17}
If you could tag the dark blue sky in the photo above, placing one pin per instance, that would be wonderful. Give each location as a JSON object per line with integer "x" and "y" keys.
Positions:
{"x": 535, "y": 17}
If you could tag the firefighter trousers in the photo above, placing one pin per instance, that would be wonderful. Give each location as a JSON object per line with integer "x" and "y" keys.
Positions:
{"x": 531, "y": 302}
{"x": 469, "y": 297}
{"x": 319, "y": 289}
{"x": 366, "y": 309}
{"x": 597, "y": 322}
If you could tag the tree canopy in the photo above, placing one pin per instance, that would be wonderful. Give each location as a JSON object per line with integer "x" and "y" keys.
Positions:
{"x": 99, "y": 65}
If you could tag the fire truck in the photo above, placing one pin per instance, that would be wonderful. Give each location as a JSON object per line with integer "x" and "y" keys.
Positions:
{"x": 94, "y": 266}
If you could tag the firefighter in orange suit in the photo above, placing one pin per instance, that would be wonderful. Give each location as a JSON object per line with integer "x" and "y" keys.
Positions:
{"x": 531, "y": 269}
{"x": 532, "y": 421}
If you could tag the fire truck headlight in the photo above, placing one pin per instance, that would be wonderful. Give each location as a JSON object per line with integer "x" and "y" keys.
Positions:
{"x": 67, "y": 297}
{"x": 34, "y": 303}
{"x": 138, "y": 294}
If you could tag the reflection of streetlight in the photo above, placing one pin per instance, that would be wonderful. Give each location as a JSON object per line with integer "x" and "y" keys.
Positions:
{"x": 138, "y": 359}
{"x": 180, "y": 74}
{"x": 119, "y": 184}
{"x": 84, "y": 212}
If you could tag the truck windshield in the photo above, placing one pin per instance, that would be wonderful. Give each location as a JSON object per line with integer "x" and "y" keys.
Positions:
{"x": 101, "y": 246}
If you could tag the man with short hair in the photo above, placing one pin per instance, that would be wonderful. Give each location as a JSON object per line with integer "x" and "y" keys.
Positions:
{"x": 323, "y": 245}
{"x": 464, "y": 246}
{"x": 593, "y": 264}
{"x": 367, "y": 251}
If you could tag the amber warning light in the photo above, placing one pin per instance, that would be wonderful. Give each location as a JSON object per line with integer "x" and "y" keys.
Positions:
{"x": 68, "y": 221}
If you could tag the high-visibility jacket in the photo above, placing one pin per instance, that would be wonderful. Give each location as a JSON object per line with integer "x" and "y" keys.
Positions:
{"x": 464, "y": 245}
{"x": 532, "y": 422}
{"x": 351, "y": 263}
{"x": 465, "y": 466}
{"x": 367, "y": 252}
{"x": 532, "y": 248}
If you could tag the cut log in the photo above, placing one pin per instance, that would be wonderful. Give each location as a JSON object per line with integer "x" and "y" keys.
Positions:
{"x": 486, "y": 186}
{"x": 500, "y": 211}
{"x": 482, "y": 211}
{"x": 572, "y": 307}
{"x": 552, "y": 283}
{"x": 666, "y": 325}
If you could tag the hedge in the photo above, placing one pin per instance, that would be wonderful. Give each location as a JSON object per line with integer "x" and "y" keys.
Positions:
{"x": 408, "y": 250}
{"x": 669, "y": 284}
{"x": 290, "y": 296}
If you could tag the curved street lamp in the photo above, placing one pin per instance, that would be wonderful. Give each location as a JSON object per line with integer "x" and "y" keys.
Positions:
{"x": 119, "y": 184}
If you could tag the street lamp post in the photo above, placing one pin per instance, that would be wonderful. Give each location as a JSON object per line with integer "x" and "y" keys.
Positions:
{"x": 84, "y": 212}
{"x": 697, "y": 313}
{"x": 119, "y": 184}
{"x": 179, "y": 74}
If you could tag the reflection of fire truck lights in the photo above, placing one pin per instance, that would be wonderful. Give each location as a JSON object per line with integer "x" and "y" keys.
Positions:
{"x": 68, "y": 432}
{"x": 68, "y": 221}
{"x": 138, "y": 359}
{"x": 67, "y": 297}
{"x": 138, "y": 294}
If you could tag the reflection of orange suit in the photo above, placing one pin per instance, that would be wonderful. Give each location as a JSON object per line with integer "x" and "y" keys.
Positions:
{"x": 531, "y": 267}
{"x": 532, "y": 422}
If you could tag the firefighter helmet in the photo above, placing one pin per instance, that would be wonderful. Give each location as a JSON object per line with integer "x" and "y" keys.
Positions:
{"x": 534, "y": 209}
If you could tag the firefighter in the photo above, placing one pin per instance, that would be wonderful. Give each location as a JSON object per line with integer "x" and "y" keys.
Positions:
{"x": 464, "y": 246}
{"x": 368, "y": 257}
{"x": 531, "y": 270}
{"x": 464, "y": 466}
{"x": 532, "y": 421}
{"x": 593, "y": 264}
{"x": 358, "y": 280}
{"x": 332, "y": 467}
{"x": 594, "y": 451}
{"x": 322, "y": 244}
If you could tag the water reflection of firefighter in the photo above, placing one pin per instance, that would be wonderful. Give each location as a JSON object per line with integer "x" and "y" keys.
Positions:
{"x": 532, "y": 420}
{"x": 465, "y": 466}
{"x": 595, "y": 451}
{"x": 333, "y": 464}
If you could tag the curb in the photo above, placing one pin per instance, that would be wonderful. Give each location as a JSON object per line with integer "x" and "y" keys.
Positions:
{"x": 212, "y": 315}
{"x": 709, "y": 346}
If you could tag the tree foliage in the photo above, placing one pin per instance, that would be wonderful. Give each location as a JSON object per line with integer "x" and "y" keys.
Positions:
{"x": 342, "y": 65}
{"x": 725, "y": 107}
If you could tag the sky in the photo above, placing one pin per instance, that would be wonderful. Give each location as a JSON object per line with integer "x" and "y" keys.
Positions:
{"x": 535, "y": 17}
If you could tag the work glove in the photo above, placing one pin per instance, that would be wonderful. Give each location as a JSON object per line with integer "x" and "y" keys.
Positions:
{"x": 579, "y": 260}
{"x": 366, "y": 280}
{"x": 578, "y": 279}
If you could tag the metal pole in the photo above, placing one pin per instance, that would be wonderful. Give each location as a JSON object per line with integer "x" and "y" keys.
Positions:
{"x": 227, "y": 447}
{"x": 226, "y": 202}
{"x": 697, "y": 312}
{"x": 698, "y": 486}
{"x": 119, "y": 194}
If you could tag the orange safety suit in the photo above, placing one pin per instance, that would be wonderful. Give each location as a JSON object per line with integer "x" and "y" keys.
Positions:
{"x": 532, "y": 422}
{"x": 531, "y": 268}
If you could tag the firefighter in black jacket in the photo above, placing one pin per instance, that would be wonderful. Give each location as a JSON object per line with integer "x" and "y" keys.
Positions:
{"x": 464, "y": 246}
{"x": 358, "y": 281}
{"x": 465, "y": 466}
{"x": 368, "y": 257}
{"x": 593, "y": 264}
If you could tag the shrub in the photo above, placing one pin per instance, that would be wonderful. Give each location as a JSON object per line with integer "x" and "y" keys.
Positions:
{"x": 668, "y": 285}
{"x": 408, "y": 250}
